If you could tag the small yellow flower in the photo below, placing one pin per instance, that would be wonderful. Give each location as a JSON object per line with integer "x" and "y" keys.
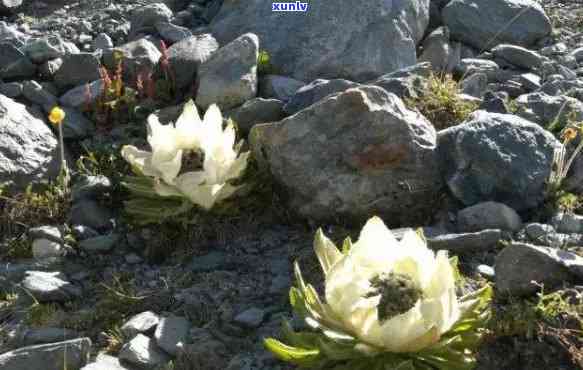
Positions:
{"x": 56, "y": 116}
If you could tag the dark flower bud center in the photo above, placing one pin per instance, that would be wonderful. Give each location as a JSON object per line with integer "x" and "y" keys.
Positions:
{"x": 398, "y": 293}
{"x": 192, "y": 160}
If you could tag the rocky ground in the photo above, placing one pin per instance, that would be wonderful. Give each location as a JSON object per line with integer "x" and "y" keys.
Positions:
{"x": 360, "y": 122}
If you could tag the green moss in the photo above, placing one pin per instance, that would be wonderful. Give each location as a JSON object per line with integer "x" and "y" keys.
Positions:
{"x": 525, "y": 316}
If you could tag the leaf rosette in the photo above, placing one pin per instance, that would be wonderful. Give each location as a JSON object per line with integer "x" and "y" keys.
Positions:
{"x": 388, "y": 305}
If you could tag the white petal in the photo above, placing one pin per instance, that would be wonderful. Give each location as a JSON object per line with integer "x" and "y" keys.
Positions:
{"x": 194, "y": 186}
{"x": 238, "y": 166}
{"x": 229, "y": 136}
{"x": 165, "y": 190}
{"x": 213, "y": 127}
{"x": 169, "y": 169}
{"x": 326, "y": 251}
{"x": 189, "y": 127}
{"x": 397, "y": 333}
{"x": 414, "y": 247}
{"x": 138, "y": 159}
{"x": 346, "y": 286}
{"x": 190, "y": 180}
{"x": 376, "y": 248}
{"x": 162, "y": 139}
{"x": 441, "y": 304}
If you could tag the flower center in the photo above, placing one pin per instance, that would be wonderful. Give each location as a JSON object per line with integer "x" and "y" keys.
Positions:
{"x": 192, "y": 160}
{"x": 398, "y": 292}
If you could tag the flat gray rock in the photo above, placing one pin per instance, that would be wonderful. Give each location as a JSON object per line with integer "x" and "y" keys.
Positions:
{"x": 488, "y": 215}
{"x": 521, "y": 269}
{"x": 50, "y": 286}
{"x": 33, "y": 336}
{"x": 518, "y": 56}
{"x": 481, "y": 241}
{"x": 70, "y": 355}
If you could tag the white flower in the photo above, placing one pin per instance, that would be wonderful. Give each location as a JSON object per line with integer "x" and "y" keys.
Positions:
{"x": 354, "y": 303}
{"x": 168, "y": 142}
{"x": 222, "y": 163}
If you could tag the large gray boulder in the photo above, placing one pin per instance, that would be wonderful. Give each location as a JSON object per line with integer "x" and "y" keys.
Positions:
{"x": 333, "y": 39}
{"x": 229, "y": 77}
{"x": 485, "y": 24}
{"x": 28, "y": 148}
{"x": 497, "y": 157}
{"x": 70, "y": 354}
{"x": 354, "y": 154}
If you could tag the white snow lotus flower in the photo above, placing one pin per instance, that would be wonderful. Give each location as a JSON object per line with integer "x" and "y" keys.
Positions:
{"x": 168, "y": 142}
{"x": 222, "y": 163}
{"x": 388, "y": 303}
{"x": 172, "y": 145}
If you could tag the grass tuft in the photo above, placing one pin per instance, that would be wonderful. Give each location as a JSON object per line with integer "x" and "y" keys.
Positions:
{"x": 441, "y": 103}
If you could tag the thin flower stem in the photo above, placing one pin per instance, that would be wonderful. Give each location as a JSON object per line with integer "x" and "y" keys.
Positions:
{"x": 64, "y": 170}
{"x": 568, "y": 166}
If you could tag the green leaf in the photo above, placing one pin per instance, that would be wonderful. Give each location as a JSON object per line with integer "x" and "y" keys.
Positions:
{"x": 140, "y": 186}
{"x": 299, "y": 339}
{"x": 298, "y": 303}
{"x": 295, "y": 355}
{"x": 454, "y": 262}
{"x": 146, "y": 210}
